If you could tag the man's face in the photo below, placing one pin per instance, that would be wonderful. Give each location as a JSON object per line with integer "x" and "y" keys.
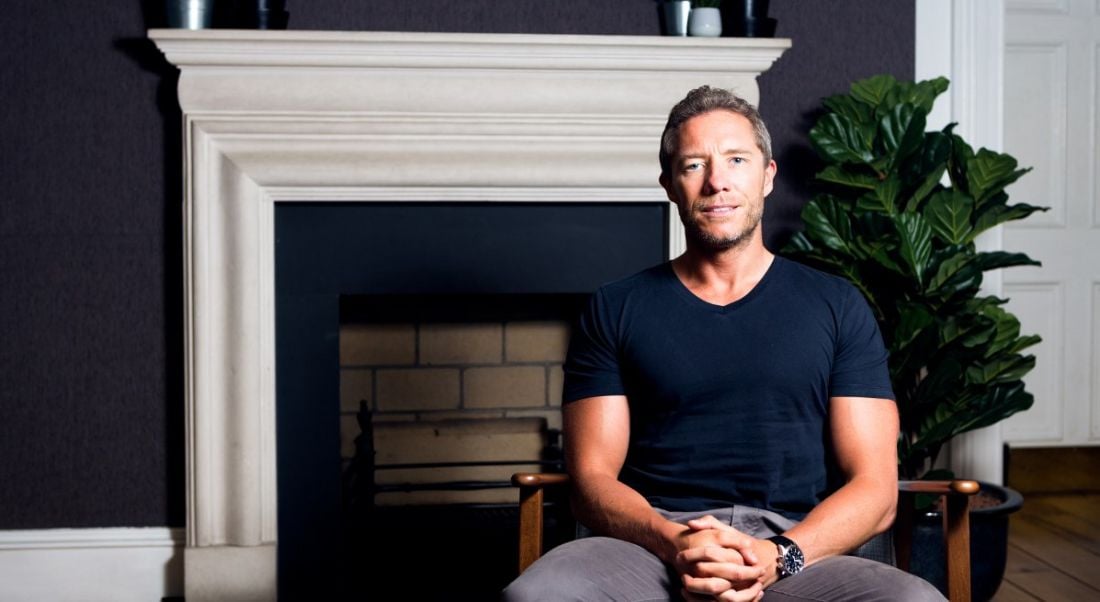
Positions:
{"x": 718, "y": 179}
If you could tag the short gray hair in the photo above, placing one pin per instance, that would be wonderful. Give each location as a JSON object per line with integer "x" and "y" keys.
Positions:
{"x": 705, "y": 99}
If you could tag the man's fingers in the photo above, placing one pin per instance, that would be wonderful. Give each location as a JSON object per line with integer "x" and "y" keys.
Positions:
{"x": 711, "y": 586}
{"x": 737, "y": 540}
{"x": 727, "y": 536}
{"x": 749, "y": 594}
{"x": 707, "y": 522}
{"x": 710, "y": 554}
{"x": 709, "y": 589}
{"x": 734, "y": 573}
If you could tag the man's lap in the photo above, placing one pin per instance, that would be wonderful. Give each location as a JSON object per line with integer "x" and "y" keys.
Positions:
{"x": 602, "y": 568}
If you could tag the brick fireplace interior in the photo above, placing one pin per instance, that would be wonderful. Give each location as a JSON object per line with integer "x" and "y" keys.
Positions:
{"x": 443, "y": 326}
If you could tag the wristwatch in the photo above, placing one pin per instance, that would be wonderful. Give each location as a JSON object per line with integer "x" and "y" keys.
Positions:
{"x": 790, "y": 560}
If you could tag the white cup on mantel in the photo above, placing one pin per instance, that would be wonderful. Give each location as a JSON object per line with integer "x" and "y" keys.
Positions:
{"x": 705, "y": 21}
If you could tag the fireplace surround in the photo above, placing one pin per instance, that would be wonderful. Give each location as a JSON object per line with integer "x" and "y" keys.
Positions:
{"x": 274, "y": 117}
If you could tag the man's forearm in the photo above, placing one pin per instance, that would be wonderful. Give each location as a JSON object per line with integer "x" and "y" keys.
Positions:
{"x": 609, "y": 507}
{"x": 846, "y": 519}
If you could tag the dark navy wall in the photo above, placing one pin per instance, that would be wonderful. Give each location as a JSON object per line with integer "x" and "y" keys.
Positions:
{"x": 90, "y": 313}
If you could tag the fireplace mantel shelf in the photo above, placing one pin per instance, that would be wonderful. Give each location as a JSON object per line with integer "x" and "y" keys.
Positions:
{"x": 274, "y": 116}
{"x": 220, "y": 47}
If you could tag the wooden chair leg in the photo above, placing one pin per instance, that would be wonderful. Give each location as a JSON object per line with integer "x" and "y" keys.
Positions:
{"x": 956, "y": 528}
{"x": 530, "y": 525}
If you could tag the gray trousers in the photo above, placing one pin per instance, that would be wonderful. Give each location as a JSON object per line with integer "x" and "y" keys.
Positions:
{"x": 602, "y": 568}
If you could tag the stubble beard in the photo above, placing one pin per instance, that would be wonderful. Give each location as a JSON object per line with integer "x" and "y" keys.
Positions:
{"x": 708, "y": 241}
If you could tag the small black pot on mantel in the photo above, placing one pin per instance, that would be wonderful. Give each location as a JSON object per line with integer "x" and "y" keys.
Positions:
{"x": 747, "y": 19}
{"x": 252, "y": 14}
{"x": 988, "y": 544}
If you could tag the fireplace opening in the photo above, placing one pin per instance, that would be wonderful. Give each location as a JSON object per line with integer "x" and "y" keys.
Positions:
{"x": 443, "y": 397}
{"x": 418, "y": 354}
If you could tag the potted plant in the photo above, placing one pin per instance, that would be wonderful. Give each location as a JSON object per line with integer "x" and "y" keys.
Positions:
{"x": 898, "y": 214}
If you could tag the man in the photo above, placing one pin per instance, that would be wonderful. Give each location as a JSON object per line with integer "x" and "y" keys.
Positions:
{"x": 729, "y": 423}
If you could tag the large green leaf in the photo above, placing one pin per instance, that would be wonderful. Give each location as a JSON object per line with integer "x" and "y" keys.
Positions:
{"x": 836, "y": 174}
{"x": 1000, "y": 403}
{"x": 902, "y": 131}
{"x": 916, "y": 242}
{"x": 799, "y": 244}
{"x": 958, "y": 330}
{"x": 913, "y": 319}
{"x": 931, "y": 157}
{"x": 931, "y": 182}
{"x": 1025, "y": 342}
{"x": 958, "y": 272}
{"x": 1007, "y": 329}
{"x": 883, "y": 199}
{"x": 980, "y": 333}
{"x": 877, "y": 241}
{"x": 925, "y": 92}
{"x": 990, "y": 216}
{"x": 951, "y": 419}
{"x": 949, "y": 212}
{"x": 851, "y": 108}
{"x": 961, "y": 153}
{"x": 989, "y": 172}
{"x": 873, "y": 90}
{"x": 827, "y": 223}
{"x": 1000, "y": 369}
{"x": 993, "y": 260}
{"x": 840, "y": 139}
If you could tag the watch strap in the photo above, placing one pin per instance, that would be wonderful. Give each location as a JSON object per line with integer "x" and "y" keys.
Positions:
{"x": 790, "y": 560}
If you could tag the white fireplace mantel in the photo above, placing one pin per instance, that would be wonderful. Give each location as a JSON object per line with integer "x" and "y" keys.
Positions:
{"x": 273, "y": 116}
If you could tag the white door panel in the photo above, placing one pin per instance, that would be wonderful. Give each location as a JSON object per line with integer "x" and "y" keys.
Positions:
{"x": 1052, "y": 51}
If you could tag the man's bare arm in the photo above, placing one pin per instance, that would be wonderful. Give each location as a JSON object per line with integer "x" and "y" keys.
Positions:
{"x": 864, "y": 432}
{"x": 597, "y": 433}
{"x": 864, "y": 435}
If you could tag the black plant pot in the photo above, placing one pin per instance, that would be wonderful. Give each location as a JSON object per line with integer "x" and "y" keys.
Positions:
{"x": 988, "y": 544}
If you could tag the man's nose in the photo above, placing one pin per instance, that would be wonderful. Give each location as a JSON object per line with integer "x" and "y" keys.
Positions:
{"x": 717, "y": 179}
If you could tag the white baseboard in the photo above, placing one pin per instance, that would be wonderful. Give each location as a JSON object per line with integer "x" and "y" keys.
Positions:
{"x": 91, "y": 565}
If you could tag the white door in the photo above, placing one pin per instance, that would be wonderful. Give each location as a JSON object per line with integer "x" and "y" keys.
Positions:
{"x": 1052, "y": 53}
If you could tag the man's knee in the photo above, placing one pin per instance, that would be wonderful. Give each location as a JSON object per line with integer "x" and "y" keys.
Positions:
{"x": 850, "y": 578}
{"x": 592, "y": 569}
{"x": 551, "y": 580}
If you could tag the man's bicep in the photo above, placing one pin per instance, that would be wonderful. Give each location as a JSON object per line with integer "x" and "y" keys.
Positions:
{"x": 864, "y": 434}
{"x": 596, "y": 432}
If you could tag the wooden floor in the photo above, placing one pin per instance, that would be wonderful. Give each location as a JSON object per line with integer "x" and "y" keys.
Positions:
{"x": 1054, "y": 549}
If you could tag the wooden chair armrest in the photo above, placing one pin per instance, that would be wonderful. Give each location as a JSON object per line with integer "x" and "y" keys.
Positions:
{"x": 956, "y": 528}
{"x": 940, "y": 487}
{"x": 531, "y": 495}
{"x": 539, "y": 479}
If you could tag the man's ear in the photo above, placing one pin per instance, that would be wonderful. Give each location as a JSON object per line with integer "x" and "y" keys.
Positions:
{"x": 769, "y": 177}
{"x": 666, "y": 183}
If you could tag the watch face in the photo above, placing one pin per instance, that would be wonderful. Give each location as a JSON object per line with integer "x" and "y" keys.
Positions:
{"x": 793, "y": 560}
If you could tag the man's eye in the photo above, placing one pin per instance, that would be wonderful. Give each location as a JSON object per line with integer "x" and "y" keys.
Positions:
{"x": 737, "y": 160}
{"x": 694, "y": 166}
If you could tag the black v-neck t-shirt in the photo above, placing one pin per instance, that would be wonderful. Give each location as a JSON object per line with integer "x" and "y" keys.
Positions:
{"x": 728, "y": 404}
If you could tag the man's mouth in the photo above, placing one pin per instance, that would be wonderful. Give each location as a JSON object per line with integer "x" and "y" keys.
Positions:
{"x": 718, "y": 210}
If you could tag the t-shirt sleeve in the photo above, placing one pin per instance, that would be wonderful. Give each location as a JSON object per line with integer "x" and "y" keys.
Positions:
{"x": 861, "y": 367}
{"x": 592, "y": 362}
